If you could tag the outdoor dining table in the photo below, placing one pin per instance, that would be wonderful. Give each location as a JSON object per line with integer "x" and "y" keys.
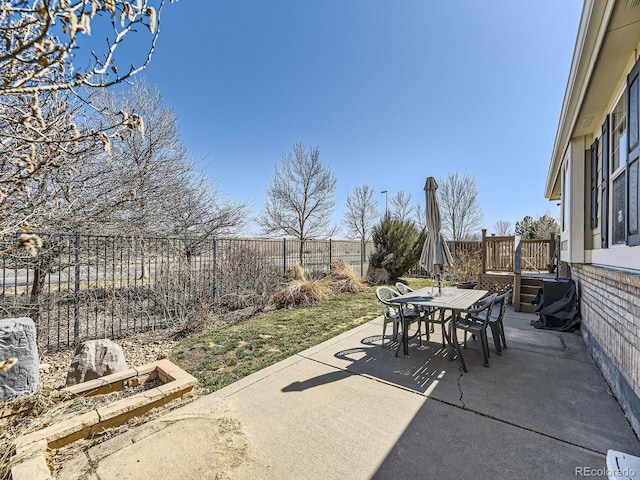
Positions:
{"x": 449, "y": 298}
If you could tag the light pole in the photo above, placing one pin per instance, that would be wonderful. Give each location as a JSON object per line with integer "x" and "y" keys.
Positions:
{"x": 386, "y": 202}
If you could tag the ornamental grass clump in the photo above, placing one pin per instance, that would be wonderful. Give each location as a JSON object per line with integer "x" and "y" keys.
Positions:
{"x": 344, "y": 279}
{"x": 300, "y": 291}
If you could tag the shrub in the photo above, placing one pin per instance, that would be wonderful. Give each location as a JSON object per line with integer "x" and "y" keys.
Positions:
{"x": 377, "y": 276}
{"x": 180, "y": 293}
{"x": 398, "y": 245}
{"x": 344, "y": 279}
{"x": 297, "y": 272}
{"x": 466, "y": 266}
{"x": 299, "y": 293}
{"x": 245, "y": 278}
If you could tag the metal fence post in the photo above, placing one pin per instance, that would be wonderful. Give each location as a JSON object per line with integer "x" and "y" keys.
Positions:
{"x": 76, "y": 297}
{"x": 284, "y": 257}
{"x": 329, "y": 254}
{"x": 362, "y": 255}
{"x": 215, "y": 269}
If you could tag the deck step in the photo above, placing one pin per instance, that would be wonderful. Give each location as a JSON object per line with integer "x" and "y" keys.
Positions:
{"x": 529, "y": 289}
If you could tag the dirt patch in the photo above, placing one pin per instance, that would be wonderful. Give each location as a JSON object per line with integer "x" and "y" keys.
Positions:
{"x": 214, "y": 446}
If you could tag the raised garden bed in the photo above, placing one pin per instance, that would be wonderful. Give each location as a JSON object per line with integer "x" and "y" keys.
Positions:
{"x": 29, "y": 461}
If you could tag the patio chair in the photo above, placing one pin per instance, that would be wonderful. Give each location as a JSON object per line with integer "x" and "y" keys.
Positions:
{"x": 496, "y": 321}
{"x": 391, "y": 312}
{"x": 621, "y": 465}
{"x": 402, "y": 288}
{"x": 475, "y": 321}
{"x": 430, "y": 314}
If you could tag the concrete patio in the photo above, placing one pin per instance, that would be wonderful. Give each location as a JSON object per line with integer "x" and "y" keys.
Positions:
{"x": 349, "y": 409}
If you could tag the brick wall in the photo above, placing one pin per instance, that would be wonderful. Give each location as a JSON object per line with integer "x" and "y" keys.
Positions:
{"x": 610, "y": 309}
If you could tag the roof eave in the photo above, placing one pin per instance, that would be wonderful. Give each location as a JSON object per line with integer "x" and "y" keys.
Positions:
{"x": 593, "y": 21}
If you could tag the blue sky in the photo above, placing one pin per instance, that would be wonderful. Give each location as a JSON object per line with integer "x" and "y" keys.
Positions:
{"x": 390, "y": 91}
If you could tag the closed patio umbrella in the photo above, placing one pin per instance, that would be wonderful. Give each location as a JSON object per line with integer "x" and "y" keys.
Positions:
{"x": 435, "y": 253}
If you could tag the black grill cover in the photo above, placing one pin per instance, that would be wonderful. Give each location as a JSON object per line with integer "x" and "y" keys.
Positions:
{"x": 558, "y": 306}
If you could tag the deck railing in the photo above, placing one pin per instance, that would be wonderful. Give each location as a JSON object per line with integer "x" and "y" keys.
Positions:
{"x": 497, "y": 253}
{"x": 512, "y": 254}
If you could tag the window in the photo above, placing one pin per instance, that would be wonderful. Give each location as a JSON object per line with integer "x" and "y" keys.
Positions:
{"x": 619, "y": 134}
{"x": 620, "y": 164}
{"x": 618, "y": 204}
{"x": 616, "y": 175}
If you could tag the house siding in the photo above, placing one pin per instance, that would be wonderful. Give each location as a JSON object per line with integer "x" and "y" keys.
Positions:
{"x": 611, "y": 329}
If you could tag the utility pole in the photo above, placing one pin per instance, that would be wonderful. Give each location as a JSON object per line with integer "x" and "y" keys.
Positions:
{"x": 386, "y": 202}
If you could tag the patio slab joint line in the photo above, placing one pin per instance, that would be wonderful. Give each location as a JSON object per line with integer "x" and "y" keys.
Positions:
{"x": 464, "y": 406}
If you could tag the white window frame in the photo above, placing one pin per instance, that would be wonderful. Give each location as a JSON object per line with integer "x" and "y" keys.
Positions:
{"x": 620, "y": 170}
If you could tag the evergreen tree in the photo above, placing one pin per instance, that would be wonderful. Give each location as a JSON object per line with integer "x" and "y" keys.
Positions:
{"x": 398, "y": 245}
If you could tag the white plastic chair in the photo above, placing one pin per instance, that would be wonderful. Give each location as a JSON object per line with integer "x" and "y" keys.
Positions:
{"x": 622, "y": 466}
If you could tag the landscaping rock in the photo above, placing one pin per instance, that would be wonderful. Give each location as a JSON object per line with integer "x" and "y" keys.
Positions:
{"x": 18, "y": 341}
{"x": 94, "y": 359}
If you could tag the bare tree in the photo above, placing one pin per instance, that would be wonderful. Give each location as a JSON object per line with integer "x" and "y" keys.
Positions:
{"x": 300, "y": 198}
{"x": 401, "y": 210}
{"x": 203, "y": 210}
{"x": 126, "y": 188}
{"x": 35, "y": 153}
{"x": 460, "y": 206}
{"x": 48, "y": 65}
{"x": 43, "y": 37}
{"x": 420, "y": 217}
{"x": 503, "y": 228}
{"x": 361, "y": 212}
{"x": 148, "y": 183}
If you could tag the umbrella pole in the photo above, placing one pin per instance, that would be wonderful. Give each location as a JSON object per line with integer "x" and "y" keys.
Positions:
{"x": 439, "y": 284}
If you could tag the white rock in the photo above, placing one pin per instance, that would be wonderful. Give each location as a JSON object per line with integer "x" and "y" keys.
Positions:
{"x": 95, "y": 359}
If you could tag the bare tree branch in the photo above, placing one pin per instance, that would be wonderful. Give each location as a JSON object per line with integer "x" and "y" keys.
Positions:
{"x": 48, "y": 64}
{"x": 503, "y": 228}
{"x": 420, "y": 216}
{"x": 36, "y": 57}
{"x": 147, "y": 184}
{"x": 361, "y": 212}
{"x": 460, "y": 206}
{"x": 300, "y": 198}
{"x": 401, "y": 210}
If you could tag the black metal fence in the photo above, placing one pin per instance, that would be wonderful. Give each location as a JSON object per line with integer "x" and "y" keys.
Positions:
{"x": 92, "y": 286}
